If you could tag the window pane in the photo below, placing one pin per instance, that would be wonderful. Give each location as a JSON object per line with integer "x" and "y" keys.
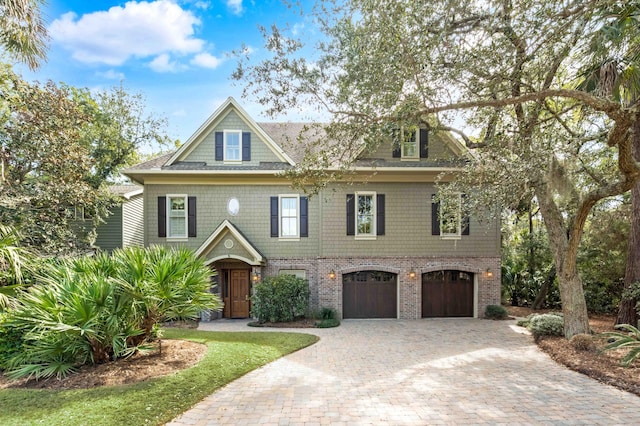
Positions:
{"x": 177, "y": 217}
{"x": 232, "y": 148}
{"x": 289, "y": 227}
{"x": 289, "y": 207}
{"x": 177, "y": 204}
{"x": 365, "y": 214}
{"x": 409, "y": 144}
{"x": 289, "y": 216}
{"x": 450, "y": 216}
{"x": 177, "y": 226}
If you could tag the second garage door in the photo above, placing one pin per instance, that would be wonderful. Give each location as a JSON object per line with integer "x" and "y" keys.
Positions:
{"x": 447, "y": 294}
{"x": 369, "y": 294}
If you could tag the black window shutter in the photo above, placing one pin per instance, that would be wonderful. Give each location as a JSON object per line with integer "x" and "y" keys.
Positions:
{"x": 162, "y": 216}
{"x": 424, "y": 143}
{"x": 191, "y": 221}
{"x": 380, "y": 214}
{"x": 395, "y": 153}
{"x": 219, "y": 146}
{"x": 246, "y": 146}
{"x": 435, "y": 216}
{"x": 304, "y": 217}
{"x": 351, "y": 214}
{"x": 274, "y": 217}
{"x": 464, "y": 218}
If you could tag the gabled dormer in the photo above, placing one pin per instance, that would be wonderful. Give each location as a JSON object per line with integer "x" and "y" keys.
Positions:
{"x": 230, "y": 137}
{"x": 417, "y": 144}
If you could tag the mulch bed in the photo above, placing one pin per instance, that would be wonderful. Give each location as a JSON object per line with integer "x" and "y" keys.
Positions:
{"x": 602, "y": 366}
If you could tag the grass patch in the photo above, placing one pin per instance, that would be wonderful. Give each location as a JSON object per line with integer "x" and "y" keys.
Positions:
{"x": 156, "y": 401}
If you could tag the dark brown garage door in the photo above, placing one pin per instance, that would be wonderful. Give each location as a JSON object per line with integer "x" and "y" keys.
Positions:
{"x": 447, "y": 294}
{"x": 369, "y": 294}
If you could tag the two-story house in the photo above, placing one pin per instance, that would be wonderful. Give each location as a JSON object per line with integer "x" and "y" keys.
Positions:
{"x": 374, "y": 249}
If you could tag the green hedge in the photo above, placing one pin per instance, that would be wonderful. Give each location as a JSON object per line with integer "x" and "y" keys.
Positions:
{"x": 280, "y": 299}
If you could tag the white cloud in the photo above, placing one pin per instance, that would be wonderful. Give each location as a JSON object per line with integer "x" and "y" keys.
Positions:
{"x": 111, "y": 75}
{"x": 139, "y": 29}
{"x": 163, "y": 63}
{"x": 235, "y": 6}
{"x": 297, "y": 28}
{"x": 206, "y": 60}
{"x": 204, "y": 5}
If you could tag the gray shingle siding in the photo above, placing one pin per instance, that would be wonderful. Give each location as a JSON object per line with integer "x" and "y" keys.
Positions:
{"x": 109, "y": 234}
{"x": 408, "y": 221}
{"x": 205, "y": 151}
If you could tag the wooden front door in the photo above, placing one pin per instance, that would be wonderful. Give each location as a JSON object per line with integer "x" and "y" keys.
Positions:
{"x": 239, "y": 293}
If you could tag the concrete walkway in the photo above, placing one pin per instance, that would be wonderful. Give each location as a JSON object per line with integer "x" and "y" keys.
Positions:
{"x": 422, "y": 372}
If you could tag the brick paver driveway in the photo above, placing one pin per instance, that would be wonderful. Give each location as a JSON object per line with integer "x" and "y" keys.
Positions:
{"x": 423, "y": 372}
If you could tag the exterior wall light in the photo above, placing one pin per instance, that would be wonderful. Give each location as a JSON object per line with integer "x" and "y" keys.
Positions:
{"x": 256, "y": 277}
{"x": 332, "y": 274}
{"x": 488, "y": 273}
{"x": 412, "y": 273}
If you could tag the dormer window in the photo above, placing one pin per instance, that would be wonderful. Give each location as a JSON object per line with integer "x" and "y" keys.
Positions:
{"x": 410, "y": 143}
{"x": 232, "y": 145}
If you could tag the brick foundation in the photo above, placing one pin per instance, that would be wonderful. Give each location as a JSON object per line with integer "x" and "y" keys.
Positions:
{"x": 327, "y": 292}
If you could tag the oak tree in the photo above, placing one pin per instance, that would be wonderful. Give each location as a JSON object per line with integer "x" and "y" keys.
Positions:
{"x": 504, "y": 68}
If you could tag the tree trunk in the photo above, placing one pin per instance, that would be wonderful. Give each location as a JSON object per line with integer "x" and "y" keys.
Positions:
{"x": 627, "y": 311}
{"x": 574, "y": 305}
{"x": 544, "y": 289}
{"x": 565, "y": 251}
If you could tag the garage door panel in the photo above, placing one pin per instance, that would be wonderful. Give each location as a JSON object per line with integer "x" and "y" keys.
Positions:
{"x": 369, "y": 294}
{"x": 447, "y": 294}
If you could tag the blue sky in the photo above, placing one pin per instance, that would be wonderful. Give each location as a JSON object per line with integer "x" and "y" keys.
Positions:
{"x": 174, "y": 52}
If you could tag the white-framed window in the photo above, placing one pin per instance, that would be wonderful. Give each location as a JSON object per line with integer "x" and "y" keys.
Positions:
{"x": 83, "y": 213}
{"x": 451, "y": 217}
{"x": 177, "y": 216}
{"x": 365, "y": 214}
{"x": 289, "y": 216}
{"x": 409, "y": 143}
{"x": 233, "y": 145}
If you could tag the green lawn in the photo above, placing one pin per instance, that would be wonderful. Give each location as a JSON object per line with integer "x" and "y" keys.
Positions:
{"x": 157, "y": 401}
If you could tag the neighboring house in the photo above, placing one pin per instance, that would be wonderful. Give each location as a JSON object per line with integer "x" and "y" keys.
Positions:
{"x": 369, "y": 250}
{"x": 124, "y": 227}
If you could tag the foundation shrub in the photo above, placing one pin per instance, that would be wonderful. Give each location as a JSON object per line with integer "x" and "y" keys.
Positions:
{"x": 496, "y": 312}
{"x": 280, "y": 299}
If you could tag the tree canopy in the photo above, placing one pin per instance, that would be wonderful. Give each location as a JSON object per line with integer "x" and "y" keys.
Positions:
{"x": 22, "y": 31}
{"x": 505, "y": 69}
{"x": 60, "y": 147}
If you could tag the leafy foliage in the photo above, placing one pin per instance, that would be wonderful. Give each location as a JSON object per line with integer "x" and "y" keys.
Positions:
{"x": 23, "y": 33}
{"x": 59, "y": 148}
{"x": 45, "y": 167}
{"x": 628, "y": 340}
{"x": 96, "y": 309}
{"x": 546, "y": 325}
{"x": 497, "y": 312}
{"x": 280, "y": 299}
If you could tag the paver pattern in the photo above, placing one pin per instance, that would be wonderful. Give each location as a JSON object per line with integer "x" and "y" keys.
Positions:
{"x": 413, "y": 372}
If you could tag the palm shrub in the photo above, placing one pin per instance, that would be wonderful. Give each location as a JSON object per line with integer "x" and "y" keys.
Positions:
{"x": 96, "y": 309}
{"x": 280, "y": 299}
{"x": 13, "y": 261}
{"x": 628, "y": 340}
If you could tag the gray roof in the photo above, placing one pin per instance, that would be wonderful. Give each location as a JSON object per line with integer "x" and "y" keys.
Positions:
{"x": 295, "y": 139}
{"x": 123, "y": 189}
